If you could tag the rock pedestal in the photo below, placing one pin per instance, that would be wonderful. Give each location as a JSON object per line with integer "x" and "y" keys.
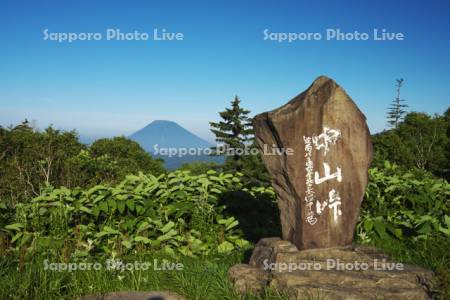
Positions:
{"x": 321, "y": 176}
{"x": 353, "y": 272}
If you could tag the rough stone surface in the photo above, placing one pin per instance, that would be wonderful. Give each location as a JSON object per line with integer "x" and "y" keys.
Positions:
{"x": 313, "y": 276}
{"x": 268, "y": 248}
{"x": 248, "y": 279}
{"x": 319, "y": 207}
{"x": 133, "y": 295}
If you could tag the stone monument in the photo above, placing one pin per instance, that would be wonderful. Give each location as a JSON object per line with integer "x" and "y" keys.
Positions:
{"x": 320, "y": 184}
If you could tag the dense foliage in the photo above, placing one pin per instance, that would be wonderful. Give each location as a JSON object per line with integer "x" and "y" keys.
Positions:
{"x": 31, "y": 160}
{"x": 195, "y": 214}
{"x": 183, "y": 215}
{"x": 419, "y": 142}
{"x": 403, "y": 205}
{"x": 177, "y": 213}
{"x": 128, "y": 157}
{"x": 200, "y": 167}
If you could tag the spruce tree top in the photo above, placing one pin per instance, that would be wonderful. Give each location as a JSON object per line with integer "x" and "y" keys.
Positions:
{"x": 235, "y": 128}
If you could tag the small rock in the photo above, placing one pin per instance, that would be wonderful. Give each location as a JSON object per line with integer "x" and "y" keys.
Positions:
{"x": 134, "y": 295}
{"x": 325, "y": 292}
{"x": 268, "y": 249}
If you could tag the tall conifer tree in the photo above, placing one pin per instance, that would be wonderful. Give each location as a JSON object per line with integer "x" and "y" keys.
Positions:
{"x": 396, "y": 110}
{"x": 234, "y": 130}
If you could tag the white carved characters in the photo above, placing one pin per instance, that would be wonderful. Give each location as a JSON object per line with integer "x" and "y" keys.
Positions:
{"x": 328, "y": 176}
{"x": 309, "y": 198}
{"x": 323, "y": 141}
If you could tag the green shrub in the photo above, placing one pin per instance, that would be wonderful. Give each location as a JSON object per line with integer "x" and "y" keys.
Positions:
{"x": 404, "y": 205}
{"x": 175, "y": 213}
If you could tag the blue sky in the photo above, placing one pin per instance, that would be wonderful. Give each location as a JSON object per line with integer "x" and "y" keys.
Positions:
{"x": 104, "y": 88}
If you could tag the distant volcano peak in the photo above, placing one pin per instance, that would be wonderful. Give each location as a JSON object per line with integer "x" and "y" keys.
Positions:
{"x": 167, "y": 134}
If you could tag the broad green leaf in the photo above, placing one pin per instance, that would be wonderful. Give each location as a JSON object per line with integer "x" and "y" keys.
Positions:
{"x": 225, "y": 247}
{"x": 168, "y": 250}
{"x": 120, "y": 206}
{"x": 167, "y": 236}
{"x": 143, "y": 226}
{"x": 447, "y": 220}
{"x": 26, "y": 236}
{"x": 103, "y": 206}
{"x": 17, "y": 236}
{"x": 231, "y": 225}
{"x": 130, "y": 204}
{"x": 112, "y": 204}
{"x": 85, "y": 209}
{"x": 241, "y": 243}
{"x": 444, "y": 230}
{"x": 380, "y": 228}
{"x": 107, "y": 231}
{"x": 15, "y": 226}
{"x": 167, "y": 227}
{"x": 127, "y": 244}
{"x": 142, "y": 239}
{"x": 368, "y": 225}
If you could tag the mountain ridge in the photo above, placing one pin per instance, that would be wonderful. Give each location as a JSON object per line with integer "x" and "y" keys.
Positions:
{"x": 169, "y": 134}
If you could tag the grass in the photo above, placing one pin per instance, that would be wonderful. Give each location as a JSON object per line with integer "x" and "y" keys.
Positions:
{"x": 201, "y": 278}
{"x": 204, "y": 279}
{"x": 432, "y": 253}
